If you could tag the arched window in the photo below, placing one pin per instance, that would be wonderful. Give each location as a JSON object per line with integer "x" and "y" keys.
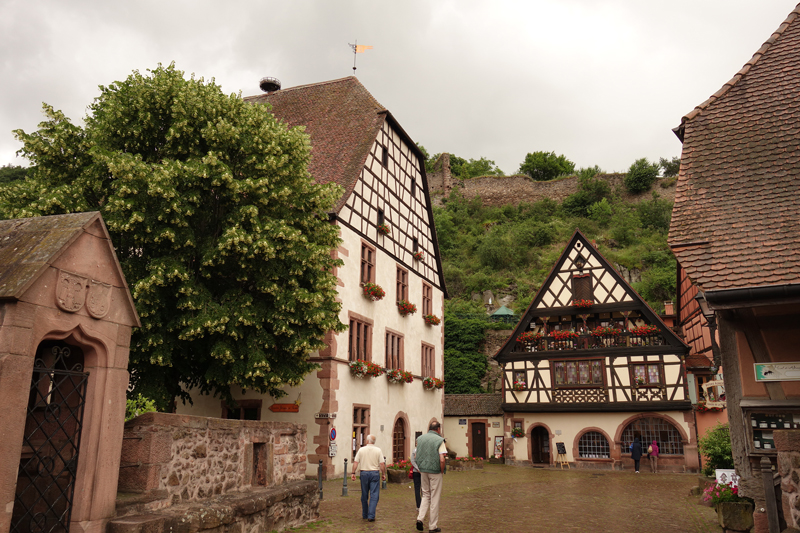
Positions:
{"x": 648, "y": 430}
{"x": 593, "y": 445}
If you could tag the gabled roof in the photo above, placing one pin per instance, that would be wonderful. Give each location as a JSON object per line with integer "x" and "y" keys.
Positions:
{"x": 503, "y": 311}
{"x": 611, "y": 294}
{"x": 342, "y": 119}
{"x": 736, "y": 219}
{"x": 473, "y": 404}
{"x": 28, "y": 246}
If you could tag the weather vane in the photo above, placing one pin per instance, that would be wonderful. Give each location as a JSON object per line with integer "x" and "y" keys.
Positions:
{"x": 357, "y": 49}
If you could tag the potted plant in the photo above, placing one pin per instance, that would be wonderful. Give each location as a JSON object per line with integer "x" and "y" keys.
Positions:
{"x": 606, "y": 331}
{"x": 419, "y": 256}
{"x": 639, "y": 381}
{"x": 734, "y": 512}
{"x": 373, "y": 291}
{"x": 496, "y": 460}
{"x": 529, "y": 337}
{"x": 406, "y": 308}
{"x": 564, "y": 335}
{"x": 644, "y": 330}
{"x": 583, "y": 304}
{"x": 519, "y": 385}
{"x": 383, "y": 229}
{"x": 703, "y": 408}
{"x": 517, "y": 432}
{"x": 430, "y": 383}
{"x": 399, "y": 376}
{"x": 432, "y": 320}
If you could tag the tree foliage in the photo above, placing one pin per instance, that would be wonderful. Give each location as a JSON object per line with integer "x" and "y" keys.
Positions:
{"x": 545, "y": 166}
{"x": 9, "y": 173}
{"x": 715, "y": 446}
{"x": 641, "y": 176}
{"x": 220, "y": 230}
{"x": 670, "y": 167}
{"x": 464, "y": 364}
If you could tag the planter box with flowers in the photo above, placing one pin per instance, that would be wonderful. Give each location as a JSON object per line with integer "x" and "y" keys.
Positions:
{"x": 734, "y": 512}
{"x": 398, "y": 472}
{"x": 419, "y": 256}
{"x": 360, "y": 369}
{"x": 564, "y": 340}
{"x": 644, "y": 330}
{"x": 373, "y": 292}
{"x": 517, "y": 433}
{"x": 432, "y": 320}
{"x": 406, "y": 308}
{"x": 432, "y": 383}
{"x": 520, "y": 385}
{"x": 606, "y": 336}
{"x": 383, "y": 229}
{"x": 583, "y": 304}
{"x": 399, "y": 376}
{"x": 530, "y": 341}
{"x": 703, "y": 408}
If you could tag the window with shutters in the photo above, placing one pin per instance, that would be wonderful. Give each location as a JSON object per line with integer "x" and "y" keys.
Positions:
{"x": 428, "y": 365}
{"x": 582, "y": 287}
{"x": 427, "y": 299}
{"x": 402, "y": 284}
{"x": 367, "y": 263}
{"x": 394, "y": 350}
{"x": 360, "y": 339}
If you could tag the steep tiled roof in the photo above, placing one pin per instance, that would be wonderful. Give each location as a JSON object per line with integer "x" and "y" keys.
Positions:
{"x": 473, "y": 404}
{"x": 736, "y": 220}
{"x": 29, "y": 245}
{"x": 342, "y": 119}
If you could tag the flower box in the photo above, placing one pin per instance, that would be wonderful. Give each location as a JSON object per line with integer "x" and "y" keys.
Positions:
{"x": 373, "y": 292}
{"x": 529, "y": 337}
{"x": 419, "y": 256}
{"x": 601, "y": 331}
{"x": 517, "y": 433}
{"x": 399, "y": 376}
{"x": 565, "y": 335}
{"x": 361, "y": 369}
{"x": 406, "y": 308}
{"x": 583, "y": 304}
{"x": 383, "y": 229}
{"x": 520, "y": 385}
{"x": 640, "y": 331}
{"x": 430, "y": 383}
{"x": 432, "y": 320}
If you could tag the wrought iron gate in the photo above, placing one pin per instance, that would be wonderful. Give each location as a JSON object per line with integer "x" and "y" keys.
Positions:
{"x": 49, "y": 460}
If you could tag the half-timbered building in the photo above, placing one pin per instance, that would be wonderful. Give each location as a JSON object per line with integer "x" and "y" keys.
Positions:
{"x": 592, "y": 366}
{"x": 388, "y": 240}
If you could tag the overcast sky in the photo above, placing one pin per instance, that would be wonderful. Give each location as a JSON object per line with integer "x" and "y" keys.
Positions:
{"x": 600, "y": 81}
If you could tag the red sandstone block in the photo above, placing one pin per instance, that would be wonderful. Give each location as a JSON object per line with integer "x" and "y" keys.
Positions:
{"x": 139, "y": 478}
{"x": 787, "y": 440}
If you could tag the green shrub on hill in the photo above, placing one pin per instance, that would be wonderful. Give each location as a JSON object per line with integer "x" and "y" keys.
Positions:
{"x": 641, "y": 176}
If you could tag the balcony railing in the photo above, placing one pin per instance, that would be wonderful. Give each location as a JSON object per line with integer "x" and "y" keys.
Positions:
{"x": 589, "y": 341}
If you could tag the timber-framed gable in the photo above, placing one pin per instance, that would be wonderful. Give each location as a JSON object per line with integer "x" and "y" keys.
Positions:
{"x": 588, "y": 342}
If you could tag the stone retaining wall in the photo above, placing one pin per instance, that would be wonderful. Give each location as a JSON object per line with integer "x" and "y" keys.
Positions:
{"x": 787, "y": 442}
{"x": 179, "y": 458}
{"x": 272, "y": 509}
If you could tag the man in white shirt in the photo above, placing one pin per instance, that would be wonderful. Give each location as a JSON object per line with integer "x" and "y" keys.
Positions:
{"x": 369, "y": 459}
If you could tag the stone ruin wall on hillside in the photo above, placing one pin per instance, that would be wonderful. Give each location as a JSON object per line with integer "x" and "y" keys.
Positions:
{"x": 497, "y": 191}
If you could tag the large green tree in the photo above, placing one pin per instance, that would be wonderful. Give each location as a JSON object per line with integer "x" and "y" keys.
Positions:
{"x": 545, "y": 166}
{"x": 221, "y": 231}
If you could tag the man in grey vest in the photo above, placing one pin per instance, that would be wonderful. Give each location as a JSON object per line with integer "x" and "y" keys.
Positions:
{"x": 431, "y": 454}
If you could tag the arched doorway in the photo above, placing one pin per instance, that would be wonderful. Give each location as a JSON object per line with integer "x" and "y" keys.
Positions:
{"x": 399, "y": 441}
{"x": 49, "y": 460}
{"x": 540, "y": 445}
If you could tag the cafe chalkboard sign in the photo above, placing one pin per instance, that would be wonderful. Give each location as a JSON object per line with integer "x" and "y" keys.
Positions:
{"x": 561, "y": 448}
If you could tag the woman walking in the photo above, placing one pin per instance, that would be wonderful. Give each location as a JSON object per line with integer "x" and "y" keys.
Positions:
{"x": 653, "y": 451}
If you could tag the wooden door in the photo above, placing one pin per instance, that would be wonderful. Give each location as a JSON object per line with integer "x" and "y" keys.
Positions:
{"x": 540, "y": 445}
{"x": 399, "y": 441}
{"x": 479, "y": 440}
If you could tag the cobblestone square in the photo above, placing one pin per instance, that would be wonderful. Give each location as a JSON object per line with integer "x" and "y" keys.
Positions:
{"x": 510, "y": 499}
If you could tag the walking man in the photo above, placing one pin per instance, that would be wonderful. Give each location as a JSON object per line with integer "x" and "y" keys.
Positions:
{"x": 431, "y": 454}
{"x": 373, "y": 469}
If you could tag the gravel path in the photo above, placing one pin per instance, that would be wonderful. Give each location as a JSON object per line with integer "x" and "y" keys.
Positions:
{"x": 510, "y": 499}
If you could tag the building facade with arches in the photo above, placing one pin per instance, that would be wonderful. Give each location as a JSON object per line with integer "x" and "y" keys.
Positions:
{"x": 592, "y": 366}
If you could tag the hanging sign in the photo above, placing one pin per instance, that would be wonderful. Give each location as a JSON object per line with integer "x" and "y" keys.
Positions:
{"x": 284, "y": 408}
{"x": 777, "y": 371}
